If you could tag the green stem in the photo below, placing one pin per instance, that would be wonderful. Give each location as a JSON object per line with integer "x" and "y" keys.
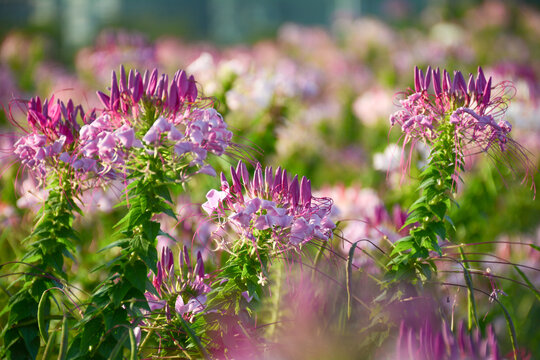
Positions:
{"x": 276, "y": 297}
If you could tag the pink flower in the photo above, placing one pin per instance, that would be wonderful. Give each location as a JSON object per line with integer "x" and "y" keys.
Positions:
{"x": 272, "y": 203}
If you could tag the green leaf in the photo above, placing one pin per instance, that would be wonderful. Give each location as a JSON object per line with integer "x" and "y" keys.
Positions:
{"x": 193, "y": 337}
{"x": 119, "y": 291}
{"x": 64, "y": 339}
{"x": 428, "y": 182}
{"x": 471, "y": 303}
{"x": 119, "y": 243}
{"x": 44, "y": 308}
{"x": 438, "y": 228}
{"x": 163, "y": 192}
{"x": 348, "y": 271}
{"x": 119, "y": 345}
{"x": 526, "y": 279}
{"x": 151, "y": 229}
{"x": 136, "y": 274}
{"x": 439, "y": 209}
{"x": 91, "y": 334}
{"x": 403, "y": 244}
{"x": 30, "y": 335}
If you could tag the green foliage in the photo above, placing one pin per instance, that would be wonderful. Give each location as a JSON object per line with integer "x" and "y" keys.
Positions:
{"x": 43, "y": 265}
{"x": 427, "y": 215}
{"x": 122, "y": 294}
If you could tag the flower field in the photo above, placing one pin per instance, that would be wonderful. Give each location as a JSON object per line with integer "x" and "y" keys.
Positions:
{"x": 366, "y": 191}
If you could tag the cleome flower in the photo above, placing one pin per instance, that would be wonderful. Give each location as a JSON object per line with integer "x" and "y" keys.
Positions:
{"x": 270, "y": 204}
{"x": 184, "y": 293}
{"x": 471, "y": 113}
{"x": 145, "y": 111}
{"x": 469, "y": 106}
{"x": 54, "y": 130}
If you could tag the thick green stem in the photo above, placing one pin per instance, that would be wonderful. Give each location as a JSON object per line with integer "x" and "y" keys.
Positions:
{"x": 428, "y": 214}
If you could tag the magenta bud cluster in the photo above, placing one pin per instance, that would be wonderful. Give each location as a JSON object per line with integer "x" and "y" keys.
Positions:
{"x": 54, "y": 129}
{"x": 187, "y": 290}
{"x": 170, "y": 96}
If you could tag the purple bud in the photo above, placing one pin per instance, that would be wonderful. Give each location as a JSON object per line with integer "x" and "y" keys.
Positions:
{"x": 427, "y": 79}
{"x": 105, "y": 99}
{"x": 481, "y": 80}
{"x": 173, "y": 100}
{"x": 123, "y": 84}
{"x": 161, "y": 85}
{"x": 459, "y": 83}
{"x": 437, "y": 82}
{"x": 417, "y": 79}
{"x": 471, "y": 86}
{"x": 187, "y": 261}
{"x": 487, "y": 93}
{"x": 200, "y": 262}
{"x": 294, "y": 191}
{"x": 152, "y": 82}
{"x": 138, "y": 88}
{"x": 131, "y": 80}
{"x": 277, "y": 180}
{"x": 447, "y": 83}
{"x": 268, "y": 178}
{"x": 241, "y": 171}
{"x": 236, "y": 185}
{"x": 224, "y": 182}
{"x": 192, "y": 92}
{"x": 305, "y": 192}
{"x": 257, "y": 179}
{"x": 183, "y": 84}
{"x": 284, "y": 182}
{"x": 146, "y": 79}
{"x": 115, "y": 93}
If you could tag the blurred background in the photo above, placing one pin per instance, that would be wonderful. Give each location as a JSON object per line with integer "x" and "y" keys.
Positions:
{"x": 307, "y": 85}
{"x": 71, "y": 24}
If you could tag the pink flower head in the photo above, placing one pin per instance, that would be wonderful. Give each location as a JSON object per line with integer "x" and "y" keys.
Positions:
{"x": 272, "y": 203}
{"x": 473, "y": 109}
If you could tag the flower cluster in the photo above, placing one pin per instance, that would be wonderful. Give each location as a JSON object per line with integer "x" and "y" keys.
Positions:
{"x": 186, "y": 292}
{"x": 468, "y": 106}
{"x": 102, "y": 146}
{"x": 53, "y": 131}
{"x": 271, "y": 202}
{"x": 179, "y": 119}
{"x": 206, "y": 132}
